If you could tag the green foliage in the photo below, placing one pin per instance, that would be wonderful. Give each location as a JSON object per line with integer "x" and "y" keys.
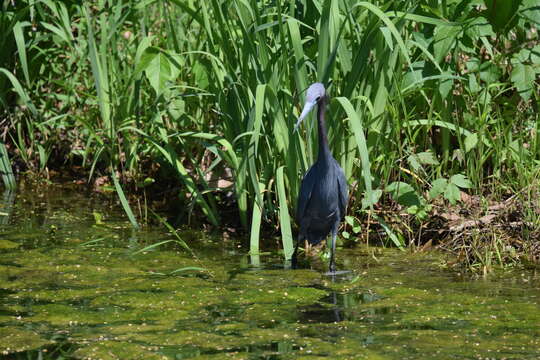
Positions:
{"x": 449, "y": 188}
{"x": 405, "y": 195}
{"x": 502, "y": 15}
{"x": 353, "y": 227}
{"x": 431, "y": 96}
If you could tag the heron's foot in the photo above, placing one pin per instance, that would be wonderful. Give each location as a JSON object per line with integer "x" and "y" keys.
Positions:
{"x": 294, "y": 258}
{"x": 332, "y": 267}
{"x": 294, "y": 262}
{"x": 333, "y": 274}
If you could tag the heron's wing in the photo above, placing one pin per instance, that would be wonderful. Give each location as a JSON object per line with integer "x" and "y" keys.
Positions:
{"x": 305, "y": 194}
{"x": 343, "y": 191}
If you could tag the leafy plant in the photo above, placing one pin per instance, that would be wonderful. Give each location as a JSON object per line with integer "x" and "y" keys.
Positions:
{"x": 450, "y": 188}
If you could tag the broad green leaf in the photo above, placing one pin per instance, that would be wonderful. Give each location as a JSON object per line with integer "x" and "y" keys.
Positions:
{"x": 157, "y": 68}
{"x": 412, "y": 80}
{"x": 470, "y": 142}
{"x": 531, "y": 10}
{"x": 200, "y": 75}
{"x": 438, "y": 187}
{"x": 424, "y": 158}
{"x": 479, "y": 27}
{"x": 461, "y": 181}
{"x": 403, "y": 193}
{"x": 473, "y": 84}
{"x": 523, "y": 77}
{"x": 176, "y": 108}
{"x": 489, "y": 72}
{"x": 445, "y": 37}
{"x": 445, "y": 85}
{"x": 414, "y": 162}
{"x": 452, "y": 194}
{"x": 371, "y": 198}
{"x": 535, "y": 55}
{"x": 473, "y": 64}
{"x": 521, "y": 57}
{"x": 427, "y": 158}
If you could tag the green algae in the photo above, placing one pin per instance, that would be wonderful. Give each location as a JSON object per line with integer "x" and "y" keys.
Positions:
{"x": 107, "y": 303}
{"x": 6, "y": 244}
{"x": 111, "y": 349}
{"x": 17, "y": 339}
{"x": 111, "y": 306}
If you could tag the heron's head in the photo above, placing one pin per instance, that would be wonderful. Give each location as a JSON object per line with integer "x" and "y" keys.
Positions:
{"x": 314, "y": 94}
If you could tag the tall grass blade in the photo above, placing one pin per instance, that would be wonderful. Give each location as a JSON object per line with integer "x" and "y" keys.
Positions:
{"x": 445, "y": 125}
{"x": 123, "y": 201}
{"x": 284, "y": 218}
{"x": 21, "y": 49}
{"x": 172, "y": 158}
{"x": 391, "y": 234}
{"x": 355, "y": 124}
{"x": 19, "y": 90}
{"x": 384, "y": 17}
{"x": 227, "y": 153}
{"x": 173, "y": 231}
{"x": 99, "y": 72}
{"x": 256, "y": 218}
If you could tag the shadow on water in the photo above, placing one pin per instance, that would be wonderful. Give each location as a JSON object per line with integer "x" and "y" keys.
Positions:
{"x": 73, "y": 286}
{"x": 338, "y": 307}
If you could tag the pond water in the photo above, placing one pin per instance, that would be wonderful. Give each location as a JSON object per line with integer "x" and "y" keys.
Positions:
{"x": 73, "y": 286}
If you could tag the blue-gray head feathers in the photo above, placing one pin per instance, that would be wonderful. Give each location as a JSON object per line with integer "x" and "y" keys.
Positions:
{"x": 313, "y": 95}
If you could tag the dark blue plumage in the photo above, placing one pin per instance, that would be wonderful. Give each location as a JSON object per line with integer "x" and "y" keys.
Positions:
{"x": 323, "y": 196}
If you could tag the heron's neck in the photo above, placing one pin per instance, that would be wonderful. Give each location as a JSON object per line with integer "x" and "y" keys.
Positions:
{"x": 323, "y": 138}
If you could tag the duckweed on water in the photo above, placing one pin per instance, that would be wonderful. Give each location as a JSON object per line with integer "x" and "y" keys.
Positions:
{"x": 105, "y": 303}
{"x": 110, "y": 306}
{"x": 16, "y": 339}
{"x": 6, "y": 244}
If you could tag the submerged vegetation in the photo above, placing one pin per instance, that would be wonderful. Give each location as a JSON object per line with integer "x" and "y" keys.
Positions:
{"x": 433, "y": 117}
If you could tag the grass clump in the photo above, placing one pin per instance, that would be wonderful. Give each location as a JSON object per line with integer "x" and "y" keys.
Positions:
{"x": 433, "y": 102}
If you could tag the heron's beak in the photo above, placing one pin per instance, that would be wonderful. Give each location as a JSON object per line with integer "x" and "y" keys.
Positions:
{"x": 307, "y": 108}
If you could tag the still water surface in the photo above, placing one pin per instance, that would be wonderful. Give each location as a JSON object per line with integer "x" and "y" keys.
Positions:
{"x": 72, "y": 286}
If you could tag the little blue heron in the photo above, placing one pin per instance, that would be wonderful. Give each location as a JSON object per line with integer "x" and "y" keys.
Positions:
{"x": 323, "y": 196}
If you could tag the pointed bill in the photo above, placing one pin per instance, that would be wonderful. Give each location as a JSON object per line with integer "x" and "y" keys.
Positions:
{"x": 307, "y": 108}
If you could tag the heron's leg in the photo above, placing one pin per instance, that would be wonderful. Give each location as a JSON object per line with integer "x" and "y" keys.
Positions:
{"x": 332, "y": 267}
{"x": 294, "y": 259}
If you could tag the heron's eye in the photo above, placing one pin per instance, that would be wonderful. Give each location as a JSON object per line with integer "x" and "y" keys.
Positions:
{"x": 317, "y": 99}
